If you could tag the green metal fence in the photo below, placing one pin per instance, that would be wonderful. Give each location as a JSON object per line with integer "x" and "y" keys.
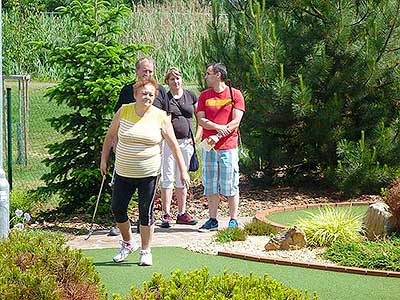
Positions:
{"x": 28, "y": 143}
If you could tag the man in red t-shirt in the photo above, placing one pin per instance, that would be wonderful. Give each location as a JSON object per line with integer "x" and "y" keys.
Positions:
{"x": 220, "y": 110}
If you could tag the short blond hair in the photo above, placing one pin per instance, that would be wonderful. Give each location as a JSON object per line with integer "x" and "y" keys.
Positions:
{"x": 173, "y": 71}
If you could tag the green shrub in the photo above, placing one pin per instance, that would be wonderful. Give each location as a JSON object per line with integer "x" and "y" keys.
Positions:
{"x": 230, "y": 235}
{"x": 381, "y": 255}
{"x": 98, "y": 66}
{"x": 37, "y": 265}
{"x": 331, "y": 225}
{"x": 259, "y": 228}
{"x": 312, "y": 76}
{"x": 366, "y": 166}
{"x": 200, "y": 285}
{"x": 21, "y": 200}
{"x": 38, "y": 206}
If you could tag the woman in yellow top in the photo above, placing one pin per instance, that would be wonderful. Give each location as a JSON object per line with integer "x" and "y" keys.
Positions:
{"x": 139, "y": 128}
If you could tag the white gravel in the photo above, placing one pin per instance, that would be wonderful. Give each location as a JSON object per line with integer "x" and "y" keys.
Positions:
{"x": 255, "y": 245}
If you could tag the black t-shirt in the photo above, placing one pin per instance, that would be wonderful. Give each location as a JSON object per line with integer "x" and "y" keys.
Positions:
{"x": 126, "y": 97}
{"x": 182, "y": 114}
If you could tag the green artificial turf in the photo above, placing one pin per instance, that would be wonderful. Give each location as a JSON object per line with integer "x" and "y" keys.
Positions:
{"x": 290, "y": 217}
{"x": 329, "y": 285}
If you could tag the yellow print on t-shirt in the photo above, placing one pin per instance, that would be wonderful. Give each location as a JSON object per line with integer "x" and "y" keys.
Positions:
{"x": 215, "y": 102}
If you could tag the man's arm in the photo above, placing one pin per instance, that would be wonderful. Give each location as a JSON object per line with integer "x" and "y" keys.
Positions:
{"x": 125, "y": 97}
{"x": 237, "y": 115}
{"x": 209, "y": 125}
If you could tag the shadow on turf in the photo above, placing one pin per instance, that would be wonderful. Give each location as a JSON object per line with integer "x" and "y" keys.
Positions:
{"x": 113, "y": 264}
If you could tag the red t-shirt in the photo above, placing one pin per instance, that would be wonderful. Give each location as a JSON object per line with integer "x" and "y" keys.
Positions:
{"x": 218, "y": 109}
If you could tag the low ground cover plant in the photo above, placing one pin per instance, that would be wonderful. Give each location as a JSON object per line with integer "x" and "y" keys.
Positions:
{"x": 37, "y": 265}
{"x": 381, "y": 255}
{"x": 19, "y": 218}
{"x": 259, "y": 228}
{"x": 201, "y": 285}
{"x": 331, "y": 225}
{"x": 231, "y": 235}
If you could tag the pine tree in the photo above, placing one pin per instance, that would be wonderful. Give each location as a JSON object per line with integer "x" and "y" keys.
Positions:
{"x": 314, "y": 73}
{"x": 97, "y": 66}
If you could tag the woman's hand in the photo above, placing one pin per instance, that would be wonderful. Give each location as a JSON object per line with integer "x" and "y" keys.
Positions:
{"x": 103, "y": 168}
{"x": 185, "y": 179}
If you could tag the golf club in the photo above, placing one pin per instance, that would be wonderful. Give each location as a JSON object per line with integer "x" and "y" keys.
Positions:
{"x": 111, "y": 183}
{"x": 95, "y": 209}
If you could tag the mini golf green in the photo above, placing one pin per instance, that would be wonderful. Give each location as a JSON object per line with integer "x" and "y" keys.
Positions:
{"x": 289, "y": 218}
{"x": 118, "y": 278}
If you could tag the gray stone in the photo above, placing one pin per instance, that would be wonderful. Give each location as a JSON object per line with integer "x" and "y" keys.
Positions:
{"x": 377, "y": 221}
{"x": 292, "y": 239}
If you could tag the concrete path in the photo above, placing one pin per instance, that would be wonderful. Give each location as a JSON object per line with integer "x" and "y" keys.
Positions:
{"x": 177, "y": 235}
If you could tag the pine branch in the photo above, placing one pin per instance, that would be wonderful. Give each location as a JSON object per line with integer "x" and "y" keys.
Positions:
{"x": 383, "y": 49}
{"x": 362, "y": 18}
{"x": 393, "y": 50}
{"x": 316, "y": 13}
{"x": 392, "y": 26}
{"x": 384, "y": 84}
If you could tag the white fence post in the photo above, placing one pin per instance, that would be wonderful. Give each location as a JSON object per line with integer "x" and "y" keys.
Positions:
{"x": 4, "y": 186}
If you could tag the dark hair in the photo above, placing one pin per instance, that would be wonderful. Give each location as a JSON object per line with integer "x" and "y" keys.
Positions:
{"x": 142, "y": 82}
{"x": 221, "y": 68}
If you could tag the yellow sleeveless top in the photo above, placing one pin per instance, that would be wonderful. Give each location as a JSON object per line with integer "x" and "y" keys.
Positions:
{"x": 138, "y": 152}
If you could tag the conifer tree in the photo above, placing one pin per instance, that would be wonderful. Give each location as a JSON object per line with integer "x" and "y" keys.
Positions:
{"x": 97, "y": 66}
{"x": 315, "y": 73}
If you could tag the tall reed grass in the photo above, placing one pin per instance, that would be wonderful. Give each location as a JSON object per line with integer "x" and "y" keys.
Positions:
{"x": 20, "y": 56}
{"x": 174, "y": 29}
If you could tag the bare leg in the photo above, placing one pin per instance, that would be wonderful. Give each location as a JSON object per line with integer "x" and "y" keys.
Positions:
{"x": 233, "y": 202}
{"x": 213, "y": 203}
{"x": 166, "y": 198}
{"x": 146, "y": 234}
{"x": 181, "y": 194}
{"x": 125, "y": 229}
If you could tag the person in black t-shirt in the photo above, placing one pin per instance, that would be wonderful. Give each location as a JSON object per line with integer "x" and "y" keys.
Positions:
{"x": 144, "y": 68}
{"x": 183, "y": 104}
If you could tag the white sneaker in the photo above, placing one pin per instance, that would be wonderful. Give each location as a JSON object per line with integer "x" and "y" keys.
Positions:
{"x": 145, "y": 259}
{"x": 125, "y": 250}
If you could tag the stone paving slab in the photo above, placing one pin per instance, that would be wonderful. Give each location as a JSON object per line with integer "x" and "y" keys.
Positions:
{"x": 177, "y": 235}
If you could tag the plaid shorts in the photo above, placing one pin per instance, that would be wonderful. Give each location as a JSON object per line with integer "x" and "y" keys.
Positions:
{"x": 220, "y": 172}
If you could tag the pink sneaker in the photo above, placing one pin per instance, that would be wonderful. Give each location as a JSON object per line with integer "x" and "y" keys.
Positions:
{"x": 166, "y": 221}
{"x": 185, "y": 219}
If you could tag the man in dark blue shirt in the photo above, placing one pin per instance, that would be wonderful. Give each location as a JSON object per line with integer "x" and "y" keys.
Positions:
{"x": 144, "y": 68}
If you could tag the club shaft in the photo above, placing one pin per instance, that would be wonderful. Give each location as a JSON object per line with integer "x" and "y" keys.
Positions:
{"x": 98, "y": 199}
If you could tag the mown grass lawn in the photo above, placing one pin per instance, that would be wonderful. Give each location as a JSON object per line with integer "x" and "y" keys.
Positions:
{"x": 118, "y": 278}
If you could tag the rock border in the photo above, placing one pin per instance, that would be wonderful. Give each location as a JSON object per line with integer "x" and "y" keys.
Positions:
{"x": 286, "y": 262}
{"x": 262, "y": 217}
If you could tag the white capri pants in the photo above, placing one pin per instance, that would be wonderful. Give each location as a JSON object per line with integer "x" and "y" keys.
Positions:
{"x": 169, "y": 166}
